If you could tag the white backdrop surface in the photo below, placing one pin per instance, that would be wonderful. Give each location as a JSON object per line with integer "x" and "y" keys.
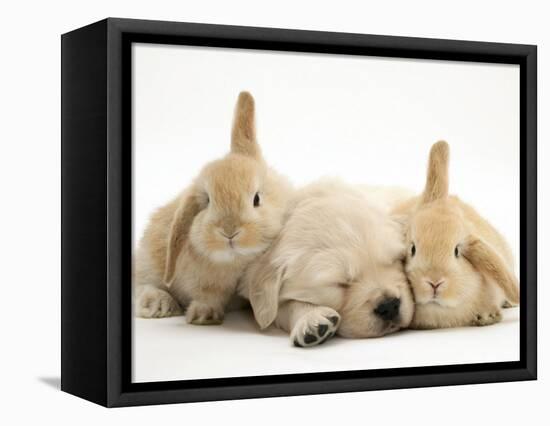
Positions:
{"x": 364, "y": 119}
{"x": 169, "y": 349}
{"x": 30, "y": 172}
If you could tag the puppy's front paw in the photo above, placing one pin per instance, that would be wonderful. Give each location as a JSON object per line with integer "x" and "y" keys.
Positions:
{"x": 487, "y": 318}
{"x": 315, "y": 327}
{"x": 154, "y": 302}
{"x": 199, "y": 313}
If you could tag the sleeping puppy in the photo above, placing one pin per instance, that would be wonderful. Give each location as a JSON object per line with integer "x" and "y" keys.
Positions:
{"x": 336, "y": 267}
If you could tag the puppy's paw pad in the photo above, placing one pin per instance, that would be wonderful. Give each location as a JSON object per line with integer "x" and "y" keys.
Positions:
{"x": 203, "y": 314}
{"x": 315, "y": 327}
{"x": 310, "y": 338}
{"x": 335, "y": 319}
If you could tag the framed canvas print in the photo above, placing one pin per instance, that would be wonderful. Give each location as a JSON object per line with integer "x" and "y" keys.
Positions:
{"x": 254, "y": 212}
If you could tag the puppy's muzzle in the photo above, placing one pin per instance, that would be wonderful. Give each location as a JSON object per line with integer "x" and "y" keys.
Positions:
{"x": 388, "y": 310}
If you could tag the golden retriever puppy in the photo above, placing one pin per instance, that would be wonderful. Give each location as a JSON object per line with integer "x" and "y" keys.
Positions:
{"x": 336, "y": 267}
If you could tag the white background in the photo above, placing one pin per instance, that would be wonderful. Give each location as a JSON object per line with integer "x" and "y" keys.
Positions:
{"x": 366, "y": 120}
{"x": 30, "y": 173}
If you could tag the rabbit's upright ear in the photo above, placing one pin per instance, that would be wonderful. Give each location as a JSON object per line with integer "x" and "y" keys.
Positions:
{"x": 489, "y": 263}
{"x": 437, "y": 180}
{"x": 243, "y": 135}
{"x": 264, "y": 284}
{"x": 179, "y": 232}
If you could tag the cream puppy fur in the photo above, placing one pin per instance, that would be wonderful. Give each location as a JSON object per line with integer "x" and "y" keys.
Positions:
{"x": 197, "y": 246}
{"x": 336, "y": 267}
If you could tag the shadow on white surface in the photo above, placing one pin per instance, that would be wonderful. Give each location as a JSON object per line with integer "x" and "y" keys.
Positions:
{"x": 170, "y": 349}
{"x": 53, "y": 382}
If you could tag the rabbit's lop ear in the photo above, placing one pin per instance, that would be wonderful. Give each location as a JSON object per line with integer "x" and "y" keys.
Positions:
{"x": 179, "y": 232}
{"x": 243, "y": 135}
{"x": 264, "y": 283}
{"x": 489, "y": 263}
{"x": 437, "y": 180}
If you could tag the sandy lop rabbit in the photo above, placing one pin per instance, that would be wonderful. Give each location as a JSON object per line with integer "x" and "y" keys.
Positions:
{"x": 459, "y": 266}
{"x": 196, "y": 247}
{"x": 336, "y": 267}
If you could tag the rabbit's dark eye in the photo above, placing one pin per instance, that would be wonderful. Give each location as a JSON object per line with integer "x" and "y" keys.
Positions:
{"x": 257, "y": 200}
{"x": 456, "y": 251}
{"x": 413, "y": 250}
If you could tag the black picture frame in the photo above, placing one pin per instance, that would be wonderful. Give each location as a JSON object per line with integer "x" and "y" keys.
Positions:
{"x": 96, "y": 212}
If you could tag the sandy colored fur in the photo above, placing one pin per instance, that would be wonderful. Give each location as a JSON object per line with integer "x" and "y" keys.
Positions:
{"x": 243, "y": 134}
{"x": 195, "y": 247}
{"x": 477, "y": 281}
{"x": 437, "y": 179}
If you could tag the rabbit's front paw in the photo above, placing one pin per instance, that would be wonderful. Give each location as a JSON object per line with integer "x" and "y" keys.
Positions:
{"x": 153, "y": 302}
{"x": 199, "y": 313}
{"x": 506, "y": 304}
{"x": 315, "y": 327}
{"x": 487, "y": 318}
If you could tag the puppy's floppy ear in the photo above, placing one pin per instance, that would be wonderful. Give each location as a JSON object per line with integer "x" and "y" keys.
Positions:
{"x": 179, "y": 232}
{"x": 243, "y": 135}
{"x": 401, "y": 221}
{"x": 489, "y": 263}
{"x": 437, "y": 179}
{"x": 264, "y": 284}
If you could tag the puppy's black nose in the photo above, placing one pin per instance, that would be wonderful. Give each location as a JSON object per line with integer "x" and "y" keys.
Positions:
{"x": 388, "y": 309}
